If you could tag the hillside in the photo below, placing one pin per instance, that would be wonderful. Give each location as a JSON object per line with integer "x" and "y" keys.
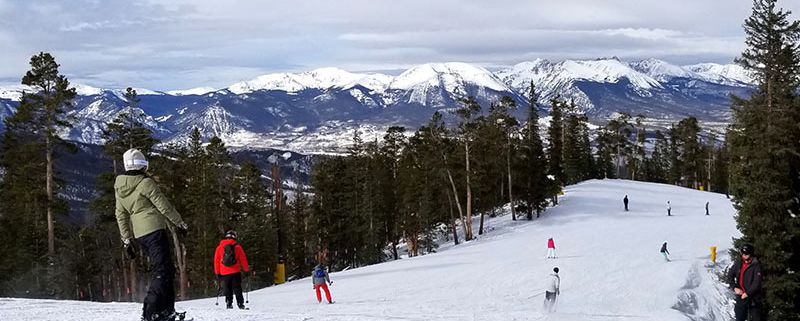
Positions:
{"x": 610, "y": 269}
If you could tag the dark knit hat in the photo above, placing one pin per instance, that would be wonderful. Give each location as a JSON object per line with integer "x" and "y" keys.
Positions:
{"x": 231, "y": 234}
{"x": 747, "y": 249}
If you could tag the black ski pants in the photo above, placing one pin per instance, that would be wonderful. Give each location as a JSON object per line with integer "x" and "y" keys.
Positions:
{"x": 232, "y": 284}
{"x": 160, "y": 297}
{"x": 747, "y": 306}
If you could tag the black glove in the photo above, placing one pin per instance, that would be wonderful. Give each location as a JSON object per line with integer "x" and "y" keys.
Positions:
{"x": 183, "y": 229}
{"x": 130, "y": 250}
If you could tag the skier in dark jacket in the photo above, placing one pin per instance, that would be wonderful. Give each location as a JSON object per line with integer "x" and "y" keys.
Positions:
{"x": 625, "y": 201}
{"x": 319, "y": 277}
{"x": 745, "y": 279}
{"x": 665, "y": 252}
{"x": 229, "y": 262}
{"x": 144, "y": 214}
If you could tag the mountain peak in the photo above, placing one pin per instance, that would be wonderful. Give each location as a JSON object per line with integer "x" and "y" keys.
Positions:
{"x": 660, "y": 70}
{"x": 448, "y": 75}
{"x": 730, "y": 74}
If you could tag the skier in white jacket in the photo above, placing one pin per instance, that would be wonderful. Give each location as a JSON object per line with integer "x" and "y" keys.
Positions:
{"x": 552, "y": 290}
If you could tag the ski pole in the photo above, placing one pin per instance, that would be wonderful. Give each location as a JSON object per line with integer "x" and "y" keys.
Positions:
{"x": 247, "y": 292}
{"x": 218, "y": 289}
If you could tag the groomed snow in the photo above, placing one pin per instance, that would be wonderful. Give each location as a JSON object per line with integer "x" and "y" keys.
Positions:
{"x": 611, "y": 269}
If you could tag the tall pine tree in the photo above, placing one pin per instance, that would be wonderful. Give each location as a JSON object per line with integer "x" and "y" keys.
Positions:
{"x": 765, "y": 155}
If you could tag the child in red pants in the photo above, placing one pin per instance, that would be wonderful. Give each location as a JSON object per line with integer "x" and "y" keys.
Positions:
{"x": 320, "y": 277}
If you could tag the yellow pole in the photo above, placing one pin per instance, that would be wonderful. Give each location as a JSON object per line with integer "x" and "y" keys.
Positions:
{"x": 714, "y": 254}
{"x": 280, "y": 272}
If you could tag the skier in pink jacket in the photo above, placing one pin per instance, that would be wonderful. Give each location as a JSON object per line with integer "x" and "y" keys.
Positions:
{"x": 551, "y": 248}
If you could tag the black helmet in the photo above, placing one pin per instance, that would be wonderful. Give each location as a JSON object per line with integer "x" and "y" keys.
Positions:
{"x": 231, "y": 234}
{"x": 555, "y": 269}
{"x": 747, "y": 249}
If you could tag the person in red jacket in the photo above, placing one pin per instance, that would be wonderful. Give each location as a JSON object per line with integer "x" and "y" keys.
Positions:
{"x": 551, "y": 248}
{"x": 229, "y": 262}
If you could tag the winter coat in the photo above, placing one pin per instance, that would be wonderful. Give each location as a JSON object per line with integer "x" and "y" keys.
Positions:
{"x": 140, "y": 204}
{"x": 625, "y": 200}
{"x": 751, "y": 279}
{"x": 664, "y": 248}
{"x": 320, "y": 280}
{"x": 669, "y": 207}
{"x": 241, "y": 259}
{"x": 551, "y": 244}
{"x": 553, "y": 283}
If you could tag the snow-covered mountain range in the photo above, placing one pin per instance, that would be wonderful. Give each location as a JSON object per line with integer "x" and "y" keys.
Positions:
{"x": 317, "y": 111}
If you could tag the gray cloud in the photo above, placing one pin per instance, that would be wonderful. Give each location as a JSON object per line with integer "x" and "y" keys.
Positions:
{"x": 174, "y": 44}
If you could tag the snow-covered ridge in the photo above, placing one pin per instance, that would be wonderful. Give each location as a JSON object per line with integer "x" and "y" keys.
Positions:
{"x": 662, "y": 70}
{"x": 553, "y": 76}
{"x": 192, "y": 91}
{"x": 449, "y": 75}
{"x": 323, "y": 78}
{"x": 729, "y": 74}
{"x": 452, "y": 76}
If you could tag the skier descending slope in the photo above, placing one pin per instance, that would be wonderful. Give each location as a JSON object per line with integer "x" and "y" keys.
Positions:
{"x": 552, "y": 290}
{"x": 319, "y": 277}
{"x": 665, "y": 252}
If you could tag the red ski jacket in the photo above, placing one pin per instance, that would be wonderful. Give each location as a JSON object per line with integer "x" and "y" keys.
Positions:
{"x": 551, "y": 244}
{"x": 241, "y": 259}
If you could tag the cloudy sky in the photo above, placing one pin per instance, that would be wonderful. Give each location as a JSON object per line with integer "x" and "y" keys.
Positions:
{"x": 179, "y": 44}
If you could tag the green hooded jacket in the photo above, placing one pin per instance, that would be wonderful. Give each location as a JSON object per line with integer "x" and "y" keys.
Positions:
{"x": 141, "y": 205}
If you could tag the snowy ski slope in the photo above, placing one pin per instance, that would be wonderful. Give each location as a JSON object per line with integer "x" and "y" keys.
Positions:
{"x": 611, "y": 269}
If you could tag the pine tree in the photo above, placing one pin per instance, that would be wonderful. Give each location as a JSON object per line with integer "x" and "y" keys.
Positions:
{"x": 468, "y": 112}
{"x": 658, "y": 163}
{"x": 555, "y": 139}
{"x": 605, "y": 152}
{"x": 765, "y": 154}
{"x": 690, "y": 155}
{"x": 31, "y": 147}
{"x": 255, "y": 223}
{"x": 502, "y": 114}
{"x": 439, "y": 150}
{"x": 533, "y": 187}
{"x": 47, "y": 106}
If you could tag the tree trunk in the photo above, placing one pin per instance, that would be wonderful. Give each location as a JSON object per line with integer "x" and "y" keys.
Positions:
{"x": 125, "y": 278}
{"x": 480, "y": 226}
{"x": 510, "y": 194}
{"x": 51, "y": 245}
{"x": 452, "y": 218}
{"x": 180, "y": 254}
{"x": 468, "y": 222}
{"x": 458, "y": 203}
{"x": 134, "y": 285}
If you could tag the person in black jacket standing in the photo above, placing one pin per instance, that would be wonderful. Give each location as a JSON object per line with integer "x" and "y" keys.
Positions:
{"x": 745, "y": 279}
{"x": 625, "y": 201}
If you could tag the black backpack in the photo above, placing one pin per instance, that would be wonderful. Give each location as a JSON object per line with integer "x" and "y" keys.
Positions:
{"x": 229, "y": 255}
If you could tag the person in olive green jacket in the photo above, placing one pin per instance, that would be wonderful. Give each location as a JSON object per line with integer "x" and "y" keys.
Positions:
{"x": 144, "y": 214}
